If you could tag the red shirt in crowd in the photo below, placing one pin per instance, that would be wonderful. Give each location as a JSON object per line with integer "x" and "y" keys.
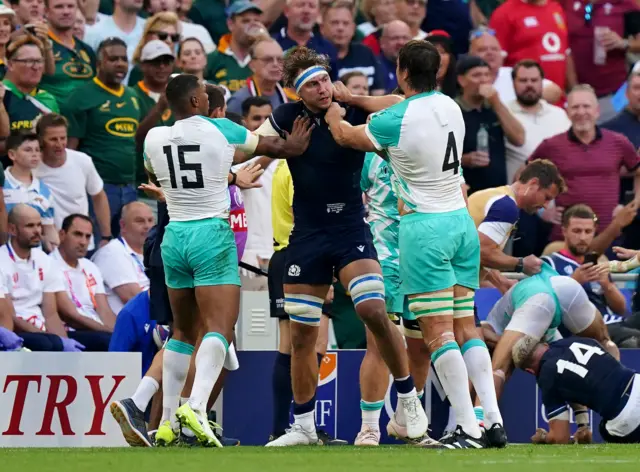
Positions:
{"x": 538, "y": 32}
{"x": 606, "y": 78}
{"x": 591, "y": 171}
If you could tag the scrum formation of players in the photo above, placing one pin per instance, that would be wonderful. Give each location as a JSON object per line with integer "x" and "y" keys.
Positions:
{"x": 420, "y": 260}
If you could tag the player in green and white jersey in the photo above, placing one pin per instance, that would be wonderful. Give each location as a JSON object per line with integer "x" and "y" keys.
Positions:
{"x": 384, "y": 220}
{"x": 439, "y": 245}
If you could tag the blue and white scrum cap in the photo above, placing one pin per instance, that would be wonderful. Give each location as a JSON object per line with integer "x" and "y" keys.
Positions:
{"x": 308, "y": 74}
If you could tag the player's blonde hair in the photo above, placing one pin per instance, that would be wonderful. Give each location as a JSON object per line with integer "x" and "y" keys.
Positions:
{"x": 156, "y": 22}
{"x": 522, "y": 351}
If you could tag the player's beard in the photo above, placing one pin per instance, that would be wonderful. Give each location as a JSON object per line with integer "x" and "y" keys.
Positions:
{"x": 528, "y": 99}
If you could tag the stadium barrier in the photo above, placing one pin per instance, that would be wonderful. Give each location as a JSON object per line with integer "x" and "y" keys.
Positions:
{"x": 62, "y": 399}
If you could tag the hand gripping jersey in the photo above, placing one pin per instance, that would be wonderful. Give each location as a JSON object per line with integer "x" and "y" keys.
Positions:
{"x": 422, "y": 136}
{"x": 326, "y": 177}
{"x": 191, "y": 161}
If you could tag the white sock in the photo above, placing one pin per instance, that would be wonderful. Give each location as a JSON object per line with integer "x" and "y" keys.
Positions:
{"x": 183, "y": 400}
{"x": 209, "y": 362}
{"x": 371, "y": 413}
{"x": 451, "y": 423}
{"x": 147, "y": 388}
{"x": 307, "y": 421}
{"x": 452, "y": 373}
{"x": 175, "y": 367}
{"x": 478, "y": 362}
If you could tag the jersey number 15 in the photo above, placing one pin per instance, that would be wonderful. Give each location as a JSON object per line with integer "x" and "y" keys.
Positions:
{"x": 582, "y": 353}
{"x": 184, "y": 167}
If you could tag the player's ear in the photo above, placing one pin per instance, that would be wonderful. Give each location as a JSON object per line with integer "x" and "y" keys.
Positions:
{"x": 194, "y": 101}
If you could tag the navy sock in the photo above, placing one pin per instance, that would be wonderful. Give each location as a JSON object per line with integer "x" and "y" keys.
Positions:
{"x": 302, "y": 408}
{"x": 404, "y": 386}
{"x": 320, "y": 357}
{"x": 282, "y": 392}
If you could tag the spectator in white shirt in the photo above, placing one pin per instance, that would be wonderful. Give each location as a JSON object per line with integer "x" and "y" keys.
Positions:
{"x": 21, "y": 185}
{"x": 71, "y": 176}
{"x": 83, "y": 306}
{"x": 32, "y": 283}
{"x": 540, "y": 119}
{"x": 124, "y": 24}
{"x": 121, "y": 261}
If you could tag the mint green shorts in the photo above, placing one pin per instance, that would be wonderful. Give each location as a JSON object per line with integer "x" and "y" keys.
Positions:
{"x": 438, "y": 251}
{"x": 199, "y": 253}
{"x": 396, "y": 301}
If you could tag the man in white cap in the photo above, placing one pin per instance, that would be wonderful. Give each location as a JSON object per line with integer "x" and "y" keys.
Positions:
{"x": 156, "y": 61}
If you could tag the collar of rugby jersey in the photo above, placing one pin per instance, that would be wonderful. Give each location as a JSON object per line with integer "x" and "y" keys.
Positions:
{"x": 224, "y": 47}
{"x": 16, "y": 257}
{"x": 118, "y": 93}
{"x": 59, "y": 41}
{"x": 153, "y": 95}
{"x": 14, "y": 89}
{"x": 15, "y": 183}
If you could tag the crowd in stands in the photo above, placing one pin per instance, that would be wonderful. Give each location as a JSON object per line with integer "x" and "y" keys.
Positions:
{"x": 83, "y": 82}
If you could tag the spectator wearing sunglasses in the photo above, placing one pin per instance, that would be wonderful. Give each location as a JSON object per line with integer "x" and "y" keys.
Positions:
{"x": 163, "y": 26}
{"x": 484, "y": 44}
{"x": 124, "y": 24}
{"x": 75, "y": 60}
{"x": 599, "y": 47}
{"x": 536, "y": 30}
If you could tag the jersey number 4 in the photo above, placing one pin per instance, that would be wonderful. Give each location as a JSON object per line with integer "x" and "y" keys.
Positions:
{"x": 184, "y": 167}
{"x": 449, "y": 164}
{"x": 582, "y": 353}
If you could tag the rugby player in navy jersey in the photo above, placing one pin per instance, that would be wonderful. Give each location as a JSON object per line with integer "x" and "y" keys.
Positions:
{"x": 579, "y": 370}
{"x": 330, "y": 237}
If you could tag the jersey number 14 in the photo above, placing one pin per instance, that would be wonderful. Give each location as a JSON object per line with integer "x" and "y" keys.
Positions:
{"x": 184, "y": 167}
{"x": 452, "y": 150}
{"x": 582, "y": 353}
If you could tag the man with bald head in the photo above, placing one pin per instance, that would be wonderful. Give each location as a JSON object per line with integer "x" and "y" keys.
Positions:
{"x": 484, "y": 44}
{"x": 121, "y": 261}
{"x": 395, "y": 34}
{"x": 31, "y": 284}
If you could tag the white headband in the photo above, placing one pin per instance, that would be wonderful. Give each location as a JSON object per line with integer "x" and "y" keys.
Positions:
{"x": 308, "y": 74}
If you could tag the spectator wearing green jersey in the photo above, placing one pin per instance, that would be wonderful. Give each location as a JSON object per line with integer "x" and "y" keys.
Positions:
{"x": 156, "y": 61}
{"x": 24, "y": 100}
{"x": 103, "y": 119}
{"x": 7, "y": 20}
{"x": 75, "y": 61}
{"x": 229, "y": 64}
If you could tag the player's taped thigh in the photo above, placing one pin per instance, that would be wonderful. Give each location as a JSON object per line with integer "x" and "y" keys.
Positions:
{"x": 433, "y": 304}
{"x": 303, "y": 309}
{"x": 366, "y": 287}
{"x": 463, "y": 306}
{"x": 231, "y": 362}
{"x": 534, "y": 317}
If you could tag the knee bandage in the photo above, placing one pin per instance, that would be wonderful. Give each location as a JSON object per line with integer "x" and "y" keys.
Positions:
{"x": 304, "y": 309}
{"x": 463, "y": 306}
{"x": 436, "y": 304}
{"x": 231, "y": 362}
{"x": 366, "y": 287}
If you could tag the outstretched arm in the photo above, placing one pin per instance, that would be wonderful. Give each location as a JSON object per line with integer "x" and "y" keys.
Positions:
{"x": 344, "y": 133}
{"x": 270, "y": 143}
{"x": 370, "y": 104}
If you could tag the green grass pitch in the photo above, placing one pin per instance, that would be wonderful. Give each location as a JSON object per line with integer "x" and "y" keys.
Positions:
{"x": 325, "y": 459}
